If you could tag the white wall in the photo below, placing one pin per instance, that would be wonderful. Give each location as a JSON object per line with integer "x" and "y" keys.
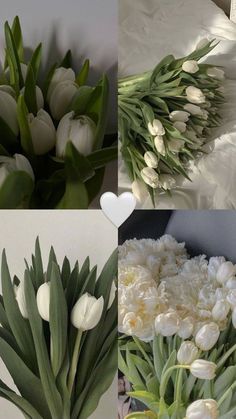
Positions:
{"x": 76, "y": 234}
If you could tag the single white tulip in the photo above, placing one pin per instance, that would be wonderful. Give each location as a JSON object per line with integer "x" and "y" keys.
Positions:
{"x": 207, "y": 336}
{"x": 151, "y": 159}
{"x": 205, "y": 370}
{"x": 150, "y": 177}
{"x": 179, "y": 116}
{"x": 160, "y": 145}
{"x": 43, "y": 301}
{"x": 43, "y": 133}
{"x": 166, "y": 324}
{"x": 187, "y": 353}
{"x": 20, "y": 298}
{"x": 175, "y": 145}
{"x": 8, "y": 89}
{"x": 226, "y": 271}
{"x": 193, "y": 109}
{"x": 216, "y": 73}
{"x": 180, "y": 126}
{"x": 190, "y": 66}
{"x": 39, "y": 97}
{"x": 231, "y": 283}
{"x": 61, "y": 97}
{"x": 231, "y": 298}
{"x": 167, "y": 182}
{"x": 112, "y": 295}
{"x": 80, "y": 131}
{"x": 16, "y": 163}
{"x": 195, "y": 95}
{"x": 139, "y": 190}
{"x": 8, "y": 111}
{"x": 186, "y": 328}
{"x": 60, "y": 74}
{"x": 220, "y": 310}
{"x": 87, "y": 312}
{"x": 156, "y": 128}
{"x": 203, "y": 409}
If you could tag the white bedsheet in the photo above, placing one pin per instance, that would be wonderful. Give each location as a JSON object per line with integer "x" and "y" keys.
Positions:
{"x": 151, "y": 29}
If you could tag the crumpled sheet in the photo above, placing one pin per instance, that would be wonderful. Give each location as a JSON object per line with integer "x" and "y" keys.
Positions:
{"x": 152, "y": 29}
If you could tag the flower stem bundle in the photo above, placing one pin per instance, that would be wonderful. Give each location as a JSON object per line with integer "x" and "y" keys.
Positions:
{"x": 165, "y": 118}
{"x": 58, "y": 336}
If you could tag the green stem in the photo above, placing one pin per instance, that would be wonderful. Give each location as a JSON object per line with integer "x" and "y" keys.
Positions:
{"x": 225, "y": 395}
{"x": 226, "y": 356}
{"x": 74, "y": 362}
{"x": 178, "y": 386}
{"x": 131, "y": 80}
{"x": 166, "y": 376}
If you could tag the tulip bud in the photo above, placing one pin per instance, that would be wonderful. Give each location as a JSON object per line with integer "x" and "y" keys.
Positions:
{"x": 207, "y": 336}
{"x": 234, "y": 317}
{"x": 160, "y": 145}
{"x": 43, "y": 301}
{"x": 16, "y": 163}
{"x": 180, "y": 126}
{"x": 156, "y": 128}
{"x": 220, "y": 310}
{"x": 87, "y": 312}
{"x": 61, "y": 97}
{"x": 216, "y": 73}
{"x": 151, "y": 159}
{"x": 20, "y": 298}
{"x": 195, "y": 95}
{"x": 112, "y": 295}
{"x": 187, "y": 353}
{"x": 60, "y": 74}
{"x": 80, "y": 131}
{"x": 179, "y": 116}
{"x": 8, "y": 111}
{"x": 193, "y": 109}
{"x": 205, "y": 370}
{"x": 203, "y": 409}
{"x": 167, "y": 324}
{"x": 150, "y": 177}
{"x": 139, "y": 190}
{"x": 190, "y": 66}
{"x": 186, "y": 328}
{"x": 167, "y": 182}
{"x": 226, "y": 271}
{"x": 43, "y": 133}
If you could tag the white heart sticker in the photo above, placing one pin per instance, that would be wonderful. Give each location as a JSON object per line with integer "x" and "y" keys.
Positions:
{"x": 117, "y": 208}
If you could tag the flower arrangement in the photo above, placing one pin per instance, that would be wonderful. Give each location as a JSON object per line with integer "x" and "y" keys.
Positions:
{"x": 58, "y": 336}
{"x": 165, "y": 118}
{"x": 52, "y": 147}
{"x": 177, "y": 317}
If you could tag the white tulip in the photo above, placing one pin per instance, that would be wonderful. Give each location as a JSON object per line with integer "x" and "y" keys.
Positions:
{"x": 20, "y": 298}
{"x": 112, "y": 295}
{"x": 175, "y": 145}
{"x": 39, "y": 97}
{"x": 150, "y": 177}
{"x": 87, "y": 312}
{"x": 195, "y": 95}
{"x": 226, "y": 271}
{"x": 220, "y": 310}
{"x": 139, "y": 190}
{"x": 179, "y": 116}
{"x": 8, "y": 111}
{"x": 180, "y": 126}
{"x": 167, "y": 182}
{"x": 193, "y": 109}
{"x": 80, "y": 131}
{"x": 61, "y": 97}
{"x": 43, "y": 301}
{"x": 8, "y": 89}
{"x": 231, "y": 298}
{"x": 234, "y": 317}
{"x": 43, "y": 133}
{"x": 151, "y": 159}
{"x": 187, "y": 353}
{"x": 16, "y": 163}
{"x": 203, "y": 409}
{"x": 160, "y": 145}
{"x": 167, "y": 324}
{"x": 60, "y": 74}
{"x": 216, "y": 73}
{"x": 156, "y": 128}
{"x": 186, "y": 328}
{"x": 205, "y": 370}
{"x": 231, "y": 283}
{"x": 190, "y": 66}
{"x": 207, "y": 336}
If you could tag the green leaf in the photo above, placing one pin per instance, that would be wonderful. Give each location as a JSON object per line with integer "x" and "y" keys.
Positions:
{"x": 39, "y": 273}
{"x": 19, "y": 401}
{"x": 18, "y": 39}
{"x": 8, "y": 139}
{"x": 158, "y": 356}
{"x": 58, "y": 320}
{"x": 224, "y": 381}
{"x": 101, "y": 157}
{"x": 22, "y": 115}
{"x": 35, "y": 61}
{"x": 30, "y": 91}
{"x": 163, "y": 63}
{"x": 16, "y": 191}
{"x": 83, "y": 74}
{"x": 149, "y": 399}
{"x": 51, "y": 260}
{"x": 67, "y": 60}
{"x": 81, "y": 100}
{"x": 65, "y": 272}
{"x": 16, "y": 79}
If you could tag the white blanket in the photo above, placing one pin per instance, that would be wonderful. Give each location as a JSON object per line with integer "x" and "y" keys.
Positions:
{"x": 152, "y": 29}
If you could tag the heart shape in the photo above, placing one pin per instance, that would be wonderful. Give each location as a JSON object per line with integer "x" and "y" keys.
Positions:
{"x": 117, "y": 208}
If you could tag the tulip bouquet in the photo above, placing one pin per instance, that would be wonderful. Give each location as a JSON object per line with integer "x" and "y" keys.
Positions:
{"x": 52, "y": 146}
{"x": 58, "y": 336}
{"x": 177, "y": 317}
{"x": 165, "y": 118}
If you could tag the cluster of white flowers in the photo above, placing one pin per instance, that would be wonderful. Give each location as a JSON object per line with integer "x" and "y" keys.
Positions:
{"x": 162, "y": 291}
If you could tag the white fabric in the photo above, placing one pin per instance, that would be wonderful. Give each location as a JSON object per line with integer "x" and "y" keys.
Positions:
{"x": 152, "y": 29}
